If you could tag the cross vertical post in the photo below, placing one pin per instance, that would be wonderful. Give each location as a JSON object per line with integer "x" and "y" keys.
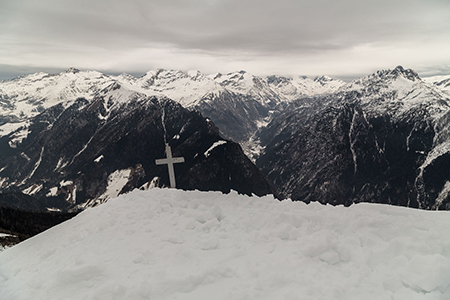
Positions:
{"x": 170, "y": 161}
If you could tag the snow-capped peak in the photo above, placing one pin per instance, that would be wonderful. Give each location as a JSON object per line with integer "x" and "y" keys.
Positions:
{"x": 27, "y": 96}
{"x": 72, "y": 70}
{"x": 398, "y": 72}
{"x": 397, "y": 90}
{"x": 118, "y": 93}
{"x": 187, "y": 88}
{"x": 387, "y": 77}
{"x": 240, "y": 82}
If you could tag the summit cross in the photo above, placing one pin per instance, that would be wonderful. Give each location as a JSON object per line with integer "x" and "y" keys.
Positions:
{"x": 170, "y": 161}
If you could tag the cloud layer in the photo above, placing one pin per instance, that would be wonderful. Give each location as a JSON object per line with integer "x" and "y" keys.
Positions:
{"x": 346, "y": 38}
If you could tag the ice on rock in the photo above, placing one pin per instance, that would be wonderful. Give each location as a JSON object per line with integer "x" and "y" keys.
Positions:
{"x": 171, "y": 244}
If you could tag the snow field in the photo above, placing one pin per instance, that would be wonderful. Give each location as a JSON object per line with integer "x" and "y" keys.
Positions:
{"x": 171, "y": 244}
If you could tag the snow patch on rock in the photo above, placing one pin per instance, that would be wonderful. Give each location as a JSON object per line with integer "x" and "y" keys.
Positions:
{"x": 116, "y": 181}
{"x": 216, "y": 144}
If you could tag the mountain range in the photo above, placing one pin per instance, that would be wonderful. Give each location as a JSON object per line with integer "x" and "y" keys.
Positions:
{"x": 79, "y": 152}
{"x": 239, "y": 103}
{"x": 382, "y": 138}
{"x": 78, "y": 138}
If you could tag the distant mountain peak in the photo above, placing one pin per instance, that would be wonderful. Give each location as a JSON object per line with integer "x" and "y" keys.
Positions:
{"x": 407, "y": 73}
{"x": 276, "y": 80}
{"x": 72, "y": 70}
{"x": 195, "y": 75}
{"x": 388, "y": 80}
{"x": 399, "y": 71}
{"x": 322, "y": 78}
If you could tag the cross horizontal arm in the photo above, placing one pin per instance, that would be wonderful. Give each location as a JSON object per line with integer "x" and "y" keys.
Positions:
{"x": 178, "y": 160}
{"x": 162, "y": 161}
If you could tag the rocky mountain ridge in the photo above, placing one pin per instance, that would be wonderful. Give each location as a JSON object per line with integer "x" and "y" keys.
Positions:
{"x": 77, "y": 156}
{"x": 255, "y": 99}
{"x": 382, "y": 138}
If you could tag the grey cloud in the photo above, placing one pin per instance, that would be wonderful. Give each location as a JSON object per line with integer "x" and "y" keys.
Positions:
{"x": 252, "y": 28}
{"x": 242, "y": 25}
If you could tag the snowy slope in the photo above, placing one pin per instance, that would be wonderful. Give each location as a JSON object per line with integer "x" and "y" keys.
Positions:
{"x": 397, "y": 91}
{"x": 28, "y": 95}
{"x": 291, "y": 88}
{"x": 443, "y": 82}
{"x": 169, "y": 244}
{"x": 187, "y": 88}
{"x": 246, "y": 84}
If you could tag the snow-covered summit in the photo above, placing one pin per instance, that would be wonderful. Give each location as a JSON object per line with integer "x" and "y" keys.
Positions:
{"x": 397, "y": 91}
{"x": 170, "y": 244}
{"x": 239, "y": 82}
{"x": 384, "y": 78}
{"x": 72, "y": 70}
{"x": 118, "y": 93}
{"x": 27, "y": 96}
{"x": 187, "y": 88}
{"x": 248, "y": 85}
{"x": 390, "y": 128}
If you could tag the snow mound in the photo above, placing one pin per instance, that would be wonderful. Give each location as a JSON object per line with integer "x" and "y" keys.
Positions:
{"x": 170, "y": 244}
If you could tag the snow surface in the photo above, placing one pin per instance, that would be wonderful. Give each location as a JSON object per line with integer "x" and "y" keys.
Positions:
{"x": 443, "y": 82}
{"x": 7, "y": 128}
{"x": 171, "y": 244}
{"x": 216, "y": 144}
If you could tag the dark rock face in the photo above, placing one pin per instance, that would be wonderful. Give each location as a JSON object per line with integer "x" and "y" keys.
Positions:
{"x": 228, "y": 168}
{"x": 24, "y": 224}
{"x": 343, "y": 157}
{"x": 91, "y": 151}
{"x": 350, "y": 148}
{"x": 23, "y": 201}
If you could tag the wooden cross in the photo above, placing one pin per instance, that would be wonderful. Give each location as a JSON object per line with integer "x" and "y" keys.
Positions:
{"x": 170, "y": 161}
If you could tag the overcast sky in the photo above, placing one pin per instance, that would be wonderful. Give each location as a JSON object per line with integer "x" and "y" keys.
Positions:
{"x": 341, "y": 38}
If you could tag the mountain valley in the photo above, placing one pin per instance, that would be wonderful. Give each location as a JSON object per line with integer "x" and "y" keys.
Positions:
{"x": 75, "y": 139}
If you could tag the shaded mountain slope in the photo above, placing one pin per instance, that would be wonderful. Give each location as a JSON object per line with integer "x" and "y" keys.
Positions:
{"x": 383, "y": 138}
{"x": 94, "y": 150}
